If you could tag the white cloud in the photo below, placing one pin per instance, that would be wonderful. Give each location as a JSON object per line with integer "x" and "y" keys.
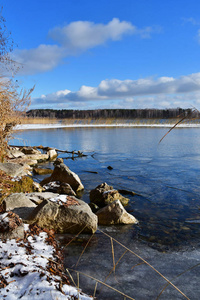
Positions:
{"x": 147, "y": 92}
{"x": 73, "y": 39}
{"x": 83, "y": 35}
{"x": 168, "y": 85}
{"x": 41, "y": 59}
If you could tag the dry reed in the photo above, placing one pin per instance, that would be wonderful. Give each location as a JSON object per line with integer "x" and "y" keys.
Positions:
{"x": 143, "y": 261}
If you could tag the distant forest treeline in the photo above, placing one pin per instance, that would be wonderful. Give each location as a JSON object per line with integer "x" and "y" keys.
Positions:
{"x": 114, "y": 113}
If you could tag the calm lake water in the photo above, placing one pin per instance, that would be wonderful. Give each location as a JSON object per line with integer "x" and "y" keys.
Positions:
{"x": 166, "y": 178}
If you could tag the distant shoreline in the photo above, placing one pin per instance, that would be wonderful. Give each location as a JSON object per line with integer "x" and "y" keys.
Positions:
{"x": 103, "y": 125}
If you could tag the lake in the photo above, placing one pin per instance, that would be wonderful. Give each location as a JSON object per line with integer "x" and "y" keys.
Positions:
{"x": 166, "y": 178}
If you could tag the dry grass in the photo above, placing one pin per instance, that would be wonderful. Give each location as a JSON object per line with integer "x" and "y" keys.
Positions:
{"x": 108, "y": 121}
{"x": 142, "y": 261}
{"x": 26, "y": 120}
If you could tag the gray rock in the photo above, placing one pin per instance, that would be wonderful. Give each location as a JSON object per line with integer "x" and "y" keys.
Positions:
{"x": 17, "y": 200}
{"x": 25, "y": 161}
{"x": 63, "y": 218}
{"x": 104, "y": 194}
{"x": 39, "y": 157}
{"x": 20, "y": 204}
{"x": 14, "y": 153}
{"x": 114, "y": 213}
{"x": 63, "y": 174}
{"x": 14, "y": 169}
{"x": 52, "y": 154}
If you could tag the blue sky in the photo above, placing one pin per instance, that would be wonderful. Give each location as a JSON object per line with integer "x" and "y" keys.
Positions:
{"x": 89, "y": 54}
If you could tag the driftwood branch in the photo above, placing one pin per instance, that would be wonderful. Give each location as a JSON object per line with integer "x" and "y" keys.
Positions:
{"x": 74, "y": 152}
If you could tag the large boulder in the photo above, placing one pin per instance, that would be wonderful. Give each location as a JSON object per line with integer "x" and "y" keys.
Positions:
{"x": 114, "y": 213}
{"x": 104, "y": 194}
{"x": 64, "y": 214}
{"x": 20, "y": 204}
{"x": 63, "y": 174}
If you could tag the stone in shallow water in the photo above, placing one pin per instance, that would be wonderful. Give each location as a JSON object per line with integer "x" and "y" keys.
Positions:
{"x": 104, "y": 194}
{"x": 114, "y": 213}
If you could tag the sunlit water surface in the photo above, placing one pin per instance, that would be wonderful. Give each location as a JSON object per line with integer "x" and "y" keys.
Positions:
{"x": 166, "y": 178}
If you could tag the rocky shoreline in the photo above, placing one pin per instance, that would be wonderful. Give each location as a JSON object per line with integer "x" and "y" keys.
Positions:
{"x": 54, "y": 204}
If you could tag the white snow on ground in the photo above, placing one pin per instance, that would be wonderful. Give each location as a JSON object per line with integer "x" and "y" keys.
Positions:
{"x": 23, "y": 274}
{"x": 50, "y": 126}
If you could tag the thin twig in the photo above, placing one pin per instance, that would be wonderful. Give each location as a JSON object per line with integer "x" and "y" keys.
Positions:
{"x": 72, "y": 279}
{"x": 189, "y": 269}
{"x": 95, "y": 289}
{"x": 113, "y": 254}
{"x": 178, "y": 122}
{"x": 84, "y": 249}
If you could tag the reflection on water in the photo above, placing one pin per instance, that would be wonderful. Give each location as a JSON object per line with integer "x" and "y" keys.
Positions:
{"x": 166, "y": 178}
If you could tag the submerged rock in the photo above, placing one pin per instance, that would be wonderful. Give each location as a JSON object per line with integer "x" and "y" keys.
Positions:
{"x": 104, "y": 194}
{"x": 114, "y": 213}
